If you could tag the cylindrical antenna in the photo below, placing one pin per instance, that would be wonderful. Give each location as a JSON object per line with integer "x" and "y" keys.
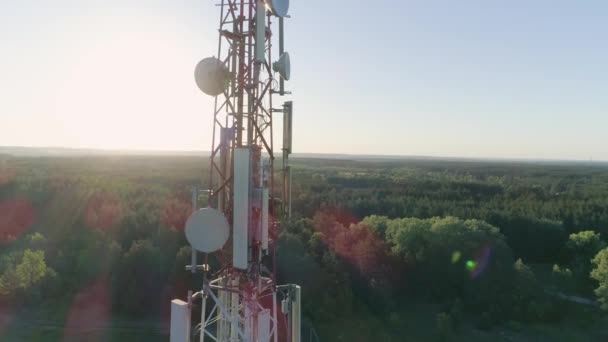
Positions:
{"x": 281, "y": 51}
{"x": 260, "y": 32}
{"x": 193, "y": 256}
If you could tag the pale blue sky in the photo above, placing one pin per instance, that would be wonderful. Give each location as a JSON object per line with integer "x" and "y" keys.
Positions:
{"x": 472, "y": 78}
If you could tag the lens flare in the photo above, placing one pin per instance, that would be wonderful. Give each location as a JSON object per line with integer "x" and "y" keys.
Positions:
{"x": 6, "y": 175}
{"x": 480, "y": 263}
{"x": 456, "y": 257}
{"x": 354, "y": 243}
{"x": 6, "y": 317}
{"x": 104, "y": 211}
{"x": 175, "y": 212}
{"x": 90, "y": 313}
{"x": 471, "y": 265}
{"x": 16, "y": 217}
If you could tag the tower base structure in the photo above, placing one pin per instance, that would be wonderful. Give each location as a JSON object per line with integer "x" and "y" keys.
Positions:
{"x": 236, "y": 311}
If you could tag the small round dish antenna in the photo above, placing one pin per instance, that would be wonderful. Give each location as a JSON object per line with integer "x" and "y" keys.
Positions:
{"x": 280, "y": 8}
{"x": 283, "y": 66}
{"x": 211, "y": 76}
{"x": 207, "y": 230}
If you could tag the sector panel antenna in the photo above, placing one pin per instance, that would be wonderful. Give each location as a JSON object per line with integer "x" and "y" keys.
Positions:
{"x": 207, "y": 230}
{"x": 280, "y": 8}
{"x": 211, "y": 76}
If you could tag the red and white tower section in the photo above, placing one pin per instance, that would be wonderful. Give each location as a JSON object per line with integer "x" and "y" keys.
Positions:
{"x": 240, "y": 301}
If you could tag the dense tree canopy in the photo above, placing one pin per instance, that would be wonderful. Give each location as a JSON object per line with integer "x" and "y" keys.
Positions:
{"x": 471, "y": 243}
{"x": 21, "y": 272}
{"x": 600, "y": 274}
{"x": 582, "y": 248}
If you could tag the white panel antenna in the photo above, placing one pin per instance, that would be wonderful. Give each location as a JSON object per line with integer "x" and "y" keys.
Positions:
{"x": 260, "y": 33}
{"x": 296, "y": 314}
{"x": 240, "y": 231}
{"x": 264, "y": 326}
{"x": 265, "y": 218}
{"x": 180, "y": 321}
{"x": 287, "y": 125}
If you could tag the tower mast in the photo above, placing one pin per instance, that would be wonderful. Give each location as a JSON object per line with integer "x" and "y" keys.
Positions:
{"x": 240, "y": 300}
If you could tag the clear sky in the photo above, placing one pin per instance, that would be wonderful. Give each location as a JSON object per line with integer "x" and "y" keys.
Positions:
{"x": 472, "y": 78}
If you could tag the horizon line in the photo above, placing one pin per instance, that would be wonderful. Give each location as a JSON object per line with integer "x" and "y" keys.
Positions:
{"x": 136, "y": 151}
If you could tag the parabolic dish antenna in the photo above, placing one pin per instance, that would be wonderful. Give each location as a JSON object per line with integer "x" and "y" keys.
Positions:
{"x": 283, "y": 66}
{"x": 280, "y": 8}
{"x": 207, "y": 230}
{"x": 211, "y": 76}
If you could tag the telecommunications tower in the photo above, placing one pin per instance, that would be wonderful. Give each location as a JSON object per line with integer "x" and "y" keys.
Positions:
{"x": 240, "y": 301}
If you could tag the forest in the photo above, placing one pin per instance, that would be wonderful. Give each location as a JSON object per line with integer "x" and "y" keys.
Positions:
{"x": 92, "y": 248}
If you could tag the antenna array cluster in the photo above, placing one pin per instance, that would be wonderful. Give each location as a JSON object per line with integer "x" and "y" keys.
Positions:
{"x": 240, "y": 301}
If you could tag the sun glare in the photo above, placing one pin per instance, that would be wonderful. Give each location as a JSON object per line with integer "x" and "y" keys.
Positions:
{"x": 131, "y": 91}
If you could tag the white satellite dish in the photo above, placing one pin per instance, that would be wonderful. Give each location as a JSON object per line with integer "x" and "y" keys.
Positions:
{"x": 211, "y": 76}
{"x": 207, "y": 230}
{"x": 278, "y": 7}
{"x": 283, "y": 66}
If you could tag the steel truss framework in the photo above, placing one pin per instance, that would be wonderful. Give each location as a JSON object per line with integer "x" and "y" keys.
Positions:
{"x": 243, "y": 114}
{"x": 242, "y": 118}
{"x": 234, "y": 315}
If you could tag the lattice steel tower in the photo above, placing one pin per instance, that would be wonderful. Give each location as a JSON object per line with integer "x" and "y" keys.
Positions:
{"x": 241, "y": 301}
